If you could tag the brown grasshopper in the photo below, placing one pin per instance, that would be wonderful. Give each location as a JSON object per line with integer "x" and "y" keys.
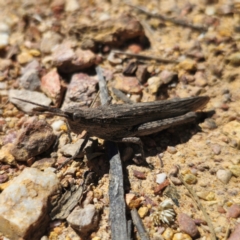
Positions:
{"x": 129, "y": 122}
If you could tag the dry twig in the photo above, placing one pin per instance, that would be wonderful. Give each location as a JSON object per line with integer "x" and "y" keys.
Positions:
{"x": 146, "y": 57}
{"x": 116, "y": 188}
{"x": 179, "y": 22}
{"x": 200, "y": 206}
{"x": 139, "y": 225}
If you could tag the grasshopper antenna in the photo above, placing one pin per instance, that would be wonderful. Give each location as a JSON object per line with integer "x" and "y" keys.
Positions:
{"x": 52, "y": 110}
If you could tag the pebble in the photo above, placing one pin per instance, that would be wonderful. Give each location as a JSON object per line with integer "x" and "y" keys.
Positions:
{"x": 181, "y": 236}
{"x": 132, "y": 201}
{"x": 168, "y": 234}
{"x": 187, "y": 225}
{"x": 85, "y": 219}
{"x": 56, "y": 125}
{"x": 220, "y": 209}
{"x": 158, "y": 189}
{"x": 30, "y": 80}
{"x": 24, "y": 57}
{"x": 167, "y": 76}
{"x": 142, "y": 73}
{"x": 44, "y": 163}
{"x": 135, "y": 48}
{"x": 187, "y": 65}
{"x": 233, "y": 211}
{"x": 81, "y": 91}
{"x": 142, "y": 211}
{"x": 69, "y": 61}
{"x": 127, "y": 84}
{"x": 236, "y": 233}
{"x": 154, "y": 83}
{"x": 72, "y": 5}
{"x": 6, "y": 155}
{"x": 71, "y": 149}
{"x": 139, "y": 175}
{"x": 49, "y": 41}
{"x": 190, "y": 178}
{"x": 171, "y": 149}
{"x": 216, "y": 149}
{"x": 234, "y": 59}
{"x": 51, "y": 86}
{"x": 5, "y": 64}
{"x": 34, "y": 138}
{"x": 160, "y": 178}
{"x": 235, "y": 169}
{"x": 27, "y": 95}
{"x": 224, "y": 175}
{"x": 209, "y": 124}
{"x": 3, "y": 178}
{"x": 4, "y": 39}
{"x": 175, "y": 180}
{"x": 25, "y": 201}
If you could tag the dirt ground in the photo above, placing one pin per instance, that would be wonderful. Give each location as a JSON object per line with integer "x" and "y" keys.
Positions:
{"x": 192, "y": 50}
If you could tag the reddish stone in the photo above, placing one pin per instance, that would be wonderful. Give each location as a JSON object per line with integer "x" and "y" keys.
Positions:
{"x": 138, "y": 174}
{"x": 233, "y": 211}
{"x": 187, "y": 225}
{"x": 158, "y": 189}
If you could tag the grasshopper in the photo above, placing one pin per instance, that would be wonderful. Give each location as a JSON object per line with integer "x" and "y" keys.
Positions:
{"x": 129, "y": 122}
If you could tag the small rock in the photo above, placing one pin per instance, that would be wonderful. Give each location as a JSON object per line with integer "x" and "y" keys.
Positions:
{"x": 168, "y": 234}
{"x": 190, "y": 179}
{"x": 187, "y": 225}
{"x": 209, "y": 124}
{"x": 6, "y": 156}
{"x": 132, "y": 201}
{"x": 33, "y": 65}
{"x": 81, "y": 92}
{"x": 3, "y": 178}
{"x": 205, "y": 195}
{"x": 35, "y": 137}
{"x": 135, "y": 48}
{"x": 167, "y": 76}
{"x": 56, "y": 125}
{"x": 30, "y": 80}
{"x": 187, "y": 65}
{"x": 25, "y": 202}
{"x": 84, "y": 220}
{"x": 5, "y": 64}
{"x": 44, "y": 163}
{"x": 71, "y": 149}
{"x": 139, "y": 175}
{"x": 142, "y": 211}
{"x": 158, "y": 189}
{"x": 235, "y": 169}
{"x": 142, "y": 73}
{"x": 171, "y": 149}
{"x": 32, "y": 96}
{"x": 24, "y": 57}
{"x": 72, "y": 5}
{"x": 175, "y": 180}
{"x": 236, "y": 233}
{"x": 154, "y": 83}
{"x": 181, "y": 236}
{"x": 4, "y": 39}
{"x": 51, "y": 85}
{"x": 224, "y": 175}
{"x": 127, "y": 84}
{"x": 216, "y": 149}
{"x": 68, "y": 61}
{"x": 220, "y": 209}
{"x": 160, "y": 178}
{"x": 234, "y": 59}
{"x": 233, "y": 211}
{"x": 49, "y": 41}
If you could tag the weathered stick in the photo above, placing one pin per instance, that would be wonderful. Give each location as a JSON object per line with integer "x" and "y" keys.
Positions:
{"x": 118, "y": 221}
